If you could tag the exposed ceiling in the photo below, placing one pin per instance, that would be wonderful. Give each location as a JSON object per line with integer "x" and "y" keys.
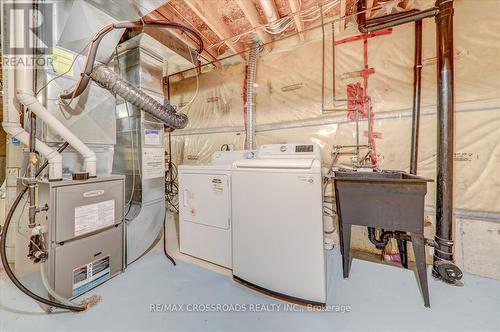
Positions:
{"x": 231, "y": 26}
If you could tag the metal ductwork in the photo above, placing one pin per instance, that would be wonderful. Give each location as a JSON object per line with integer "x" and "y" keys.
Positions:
{"x": 136, "y": 155}
{"x": 250, "y": 100}
{"x": 109, "y": 80}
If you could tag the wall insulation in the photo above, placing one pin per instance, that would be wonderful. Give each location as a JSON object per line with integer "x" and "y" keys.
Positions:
{"x": 288, "y": 109}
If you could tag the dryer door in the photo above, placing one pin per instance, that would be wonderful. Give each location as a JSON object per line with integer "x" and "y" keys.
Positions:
{"x": 204, "y": 199}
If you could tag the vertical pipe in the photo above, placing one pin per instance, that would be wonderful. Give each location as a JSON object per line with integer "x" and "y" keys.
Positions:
{"x": 417, "y": 83}
{"x": 11, "y": 122}
{"x": 445, "y": 132}
{"x": 32, "y": 143}
{"x": 322, "y": 60}
{"x": 334, "y": 97}
{"x": 358, "y": 159}
{"x": 32, "y": 170}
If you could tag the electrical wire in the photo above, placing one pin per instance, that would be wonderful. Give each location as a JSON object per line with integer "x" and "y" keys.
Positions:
{"x": 181, "y": 109}
{"x": 235, "y": 39}
{"x": 282, "y": 24}
{"x": 3, "y": 252}
{"x": 67, "y": 71}
{"x": 289, "y": 21}
{"x": 337, "y": 18}
{"x": 171, "y": 191}
{"x": 171, "y": 186}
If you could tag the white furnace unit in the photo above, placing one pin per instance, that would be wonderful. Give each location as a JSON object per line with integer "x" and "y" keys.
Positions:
{"x": 205, "y": 208}
{"x": 277, "y": 220}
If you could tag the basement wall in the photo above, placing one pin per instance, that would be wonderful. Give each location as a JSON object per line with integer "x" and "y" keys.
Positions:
{"x": 288, "y": 110}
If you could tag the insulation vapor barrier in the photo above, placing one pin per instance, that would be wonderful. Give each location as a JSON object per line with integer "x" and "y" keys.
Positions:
{"x": 109, "y": 80}
{"x": 288, "y": 109}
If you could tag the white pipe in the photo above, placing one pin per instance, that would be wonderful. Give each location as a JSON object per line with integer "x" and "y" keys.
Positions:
{"x": 48, "y": 287}
{"x": 11, "y": 122}
{"x": 53, "y": 157}
{"x": 28, "y": 99}
{"x": 25, "y": 95}
{"x": 270, "y": 12}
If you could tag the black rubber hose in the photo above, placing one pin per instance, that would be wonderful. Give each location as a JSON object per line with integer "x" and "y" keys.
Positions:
{"x": 3, "y": 252}
{"x": 165, "y": 240}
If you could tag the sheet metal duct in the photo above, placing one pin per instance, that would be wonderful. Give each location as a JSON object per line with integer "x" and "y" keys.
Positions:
{"x": 143, "y": 68}
{"x": 77, "y": 21}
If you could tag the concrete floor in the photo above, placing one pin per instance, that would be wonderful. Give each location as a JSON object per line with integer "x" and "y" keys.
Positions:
{"x": 380, "y": 297}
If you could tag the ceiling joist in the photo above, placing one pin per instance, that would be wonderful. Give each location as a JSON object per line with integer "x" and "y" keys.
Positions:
{"x": 252, "y": 15}
{"x": 369, "y": 6}
{"x": 205, "y": 11}
{"x": 295, "y": 7}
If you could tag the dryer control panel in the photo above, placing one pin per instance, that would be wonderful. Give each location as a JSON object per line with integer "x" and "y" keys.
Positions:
{"x": 228, "y": 157}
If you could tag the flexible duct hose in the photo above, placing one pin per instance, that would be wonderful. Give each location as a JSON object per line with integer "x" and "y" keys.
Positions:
{"x": 250, "y": 102}
{"x": 109, "y": 80}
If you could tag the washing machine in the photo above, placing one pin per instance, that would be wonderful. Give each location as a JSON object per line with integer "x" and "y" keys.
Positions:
{"x": 277, "y": 222}
{"x": 205, "y": 207}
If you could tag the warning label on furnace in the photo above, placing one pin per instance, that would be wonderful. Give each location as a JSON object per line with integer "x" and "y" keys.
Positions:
{"x": 153, "y": 163}
{"x": 87, "y": 276}
{"x": 91, "y": 217}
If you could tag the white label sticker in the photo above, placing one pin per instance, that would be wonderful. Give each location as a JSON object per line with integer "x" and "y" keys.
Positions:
{"x": 152, "y": 137}
{"x": 217, "y": 185}
{"x": 153, "y": 163}
{"x": 91, "y": 217}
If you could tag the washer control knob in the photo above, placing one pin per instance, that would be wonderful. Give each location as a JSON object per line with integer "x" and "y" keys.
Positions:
{"x": 250, "y": 155}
